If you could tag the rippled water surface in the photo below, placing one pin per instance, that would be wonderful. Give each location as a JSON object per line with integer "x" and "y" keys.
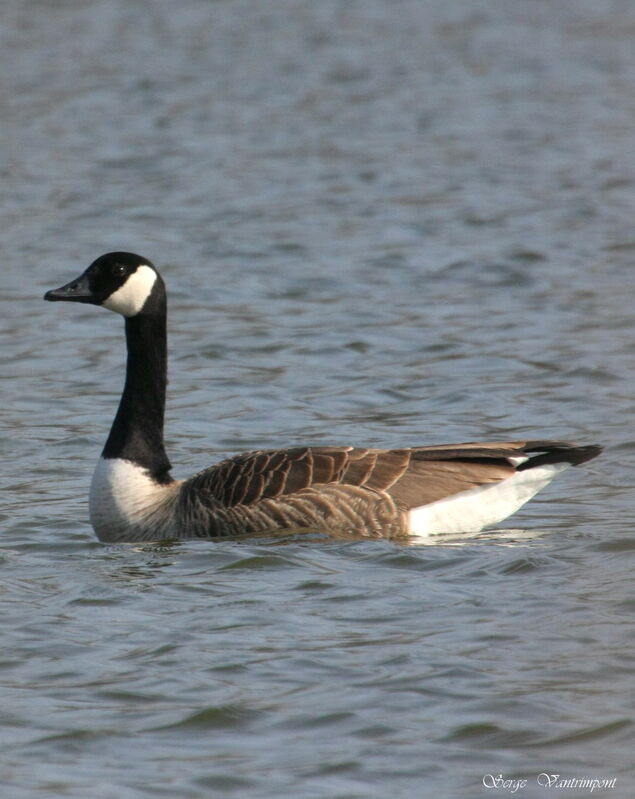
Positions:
{"x": 381, "y": 222}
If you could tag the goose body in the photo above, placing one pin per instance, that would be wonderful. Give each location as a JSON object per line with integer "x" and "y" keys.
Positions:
{"x": 408, "y": 491}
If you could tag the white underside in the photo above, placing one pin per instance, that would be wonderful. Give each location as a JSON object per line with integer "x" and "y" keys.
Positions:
{"x": 124, "y": 499}
{"x": 474, "y": 510}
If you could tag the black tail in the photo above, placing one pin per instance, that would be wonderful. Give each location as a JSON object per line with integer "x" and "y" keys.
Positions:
{"x": 558, "y": 452}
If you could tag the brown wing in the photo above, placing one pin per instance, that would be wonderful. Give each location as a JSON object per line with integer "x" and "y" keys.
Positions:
{"x": 412, "y": 477}
{"x": 252, "y": 476}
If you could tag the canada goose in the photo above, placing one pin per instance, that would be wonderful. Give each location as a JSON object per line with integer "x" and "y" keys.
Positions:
{"x": 419, "y": 490}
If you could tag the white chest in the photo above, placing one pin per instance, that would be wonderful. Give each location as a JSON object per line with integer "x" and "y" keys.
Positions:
{"x": 127, "y": 504}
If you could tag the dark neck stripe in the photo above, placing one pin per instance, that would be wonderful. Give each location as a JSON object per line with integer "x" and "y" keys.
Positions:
{"x": 137, "y": 431}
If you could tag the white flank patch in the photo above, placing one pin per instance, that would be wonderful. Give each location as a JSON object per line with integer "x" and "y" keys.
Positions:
{"x": 130, "y": 298}
{"x": 125, "y": 500}
{"x": 471, "y": 511}
{"x": 516, "y": 460}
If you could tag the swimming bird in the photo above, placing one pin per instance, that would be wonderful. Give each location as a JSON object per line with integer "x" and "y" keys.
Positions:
{"x": 421, "y": 490}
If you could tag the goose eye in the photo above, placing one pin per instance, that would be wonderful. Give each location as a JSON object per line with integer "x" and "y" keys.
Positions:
{"x": 118, "y": 270}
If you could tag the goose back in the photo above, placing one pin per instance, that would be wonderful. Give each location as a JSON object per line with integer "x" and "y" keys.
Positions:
{"x": 348, "y": 489}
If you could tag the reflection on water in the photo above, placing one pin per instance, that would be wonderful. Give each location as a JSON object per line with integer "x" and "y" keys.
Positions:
{"x": 498, "y": 537}
{"x": 380, "y": 224}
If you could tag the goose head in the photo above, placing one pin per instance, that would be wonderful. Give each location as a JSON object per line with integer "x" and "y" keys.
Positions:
{"x": 119, "y": 281}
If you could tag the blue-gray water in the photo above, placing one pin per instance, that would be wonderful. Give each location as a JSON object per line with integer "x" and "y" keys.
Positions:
{"x": 386, "y": 222}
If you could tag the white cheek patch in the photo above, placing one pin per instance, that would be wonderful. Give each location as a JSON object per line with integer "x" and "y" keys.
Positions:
{"x": 130, "y": 298}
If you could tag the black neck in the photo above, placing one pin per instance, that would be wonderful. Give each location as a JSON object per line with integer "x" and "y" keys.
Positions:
{"x": 137, "y": 431}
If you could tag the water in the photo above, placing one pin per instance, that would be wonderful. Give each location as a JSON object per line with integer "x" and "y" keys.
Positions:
{"x": 381, "y": 223}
